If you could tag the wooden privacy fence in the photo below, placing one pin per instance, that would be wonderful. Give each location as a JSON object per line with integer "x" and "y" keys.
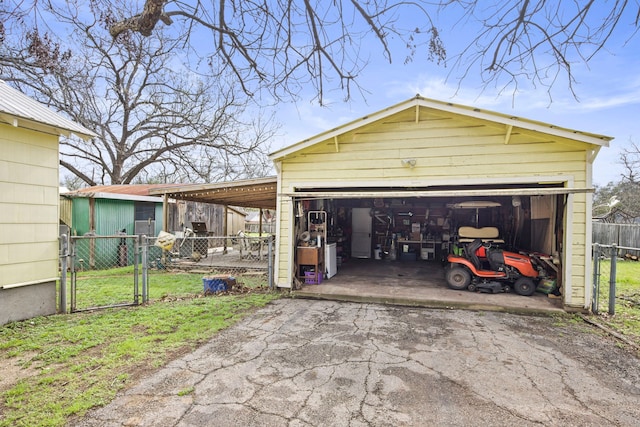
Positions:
{"x": 626, "y": 235}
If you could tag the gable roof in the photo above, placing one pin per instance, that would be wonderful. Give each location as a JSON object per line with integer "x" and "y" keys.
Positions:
{"x": 19, "y": 110}
{"x": 419, "y": 101}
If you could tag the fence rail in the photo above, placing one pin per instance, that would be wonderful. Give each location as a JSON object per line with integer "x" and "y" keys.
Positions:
{"x": 625, "y": 236}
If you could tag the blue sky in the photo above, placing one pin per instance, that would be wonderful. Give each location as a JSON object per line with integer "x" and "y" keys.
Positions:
{"x": 607, "y": 89}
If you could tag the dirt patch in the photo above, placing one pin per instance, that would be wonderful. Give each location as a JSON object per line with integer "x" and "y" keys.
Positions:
{"x": 236, "y": 290}
{"x": 14, "y": 370}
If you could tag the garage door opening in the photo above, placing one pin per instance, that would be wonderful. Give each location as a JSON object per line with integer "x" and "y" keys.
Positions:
{"x": 399, "y": 239}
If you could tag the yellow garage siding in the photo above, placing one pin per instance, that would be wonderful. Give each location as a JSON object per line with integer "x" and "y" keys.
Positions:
{"x": 28, "y": 205}
{"x": 363, "y": 155}
{"x": 284, "y": 236}
{"x": 580, "y": 277}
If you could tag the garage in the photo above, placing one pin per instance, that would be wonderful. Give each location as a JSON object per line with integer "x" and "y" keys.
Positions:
{"x": 397, "y": 193}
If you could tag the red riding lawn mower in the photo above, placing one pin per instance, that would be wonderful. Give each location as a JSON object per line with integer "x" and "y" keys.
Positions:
{"x": 485, "y": 268}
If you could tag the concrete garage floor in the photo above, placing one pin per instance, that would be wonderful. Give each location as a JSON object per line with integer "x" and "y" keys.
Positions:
{"x": 416, "y": 283}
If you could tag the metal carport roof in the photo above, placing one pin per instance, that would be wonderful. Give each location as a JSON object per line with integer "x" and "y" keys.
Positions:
{"x": 250, "y": 193}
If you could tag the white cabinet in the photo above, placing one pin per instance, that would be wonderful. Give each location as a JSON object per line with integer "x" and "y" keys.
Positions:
{"x": 330, "y": 260}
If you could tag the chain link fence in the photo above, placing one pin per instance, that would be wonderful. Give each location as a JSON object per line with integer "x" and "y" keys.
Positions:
{"x": 111, "y": 271}
{"x": 249, "y": 260}
{"x": 611, "y": 286}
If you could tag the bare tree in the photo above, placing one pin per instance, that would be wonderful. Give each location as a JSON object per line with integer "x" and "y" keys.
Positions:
{"x": 630, "y": 160}
{"x": 617, "y": 202}
{"x": 288, "y": 45}
{"x": 620, "y": 201}
{"x": 537, "y": 42}
{"x": 155, "y": 119}
{"x": 285, "y": 46}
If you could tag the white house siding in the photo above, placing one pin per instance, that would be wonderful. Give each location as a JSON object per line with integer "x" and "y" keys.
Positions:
{"x": 28, "y": 222}
{"x": 449, "y": 149}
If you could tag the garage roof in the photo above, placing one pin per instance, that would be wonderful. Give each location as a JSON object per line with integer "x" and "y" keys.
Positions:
{"x": 251, "y": 193}
{"x": 418, "y": 102}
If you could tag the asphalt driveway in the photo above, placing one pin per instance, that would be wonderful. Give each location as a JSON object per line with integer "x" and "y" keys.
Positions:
{"x": 320, "y": 363}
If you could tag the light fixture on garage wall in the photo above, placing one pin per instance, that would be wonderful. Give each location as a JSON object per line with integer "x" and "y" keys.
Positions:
{"x": 408, "y": 163}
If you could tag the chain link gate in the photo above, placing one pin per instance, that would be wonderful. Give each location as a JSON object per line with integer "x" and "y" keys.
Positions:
{"x": 103, "y": 271}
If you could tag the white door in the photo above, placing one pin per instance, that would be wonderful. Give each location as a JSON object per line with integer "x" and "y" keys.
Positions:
{"x": 361, "y": 232}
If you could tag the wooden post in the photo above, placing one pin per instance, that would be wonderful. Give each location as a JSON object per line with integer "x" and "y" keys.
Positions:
{"x": 165, "y": 212}
{"x": 225, "y": 231}
{"x": 165, "y": 222}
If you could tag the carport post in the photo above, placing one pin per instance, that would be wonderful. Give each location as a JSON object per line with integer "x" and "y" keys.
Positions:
{"x": 270, "y": 261}
{"x": 225, "y": 231}
{"x": 165, "y": 224}
{"x": 612, "y": 280}
{"x": 165, "y": 212}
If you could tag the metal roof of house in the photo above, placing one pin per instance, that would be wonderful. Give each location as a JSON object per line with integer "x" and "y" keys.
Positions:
{"x": 137, "y": 192}
{"x": 19, "y": 110}
{"x": 418, "y": 101}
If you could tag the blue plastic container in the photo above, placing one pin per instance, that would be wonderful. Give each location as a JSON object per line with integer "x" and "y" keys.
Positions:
{"x": 214, "y": 285}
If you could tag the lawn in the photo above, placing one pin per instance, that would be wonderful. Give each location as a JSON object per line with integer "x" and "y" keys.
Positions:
{"x": 115, "y": 286}
{"x": 57, "y": 367}
{"x": 626, "y": 319}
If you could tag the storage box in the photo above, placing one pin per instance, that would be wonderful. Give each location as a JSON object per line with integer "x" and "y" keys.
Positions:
{"x": 546, "y": 286}
{"x": 311, "y": 279}
{"x": 214, "y": 284}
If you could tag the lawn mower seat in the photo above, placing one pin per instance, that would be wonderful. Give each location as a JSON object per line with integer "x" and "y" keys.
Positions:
{"x": 470, "y": 251}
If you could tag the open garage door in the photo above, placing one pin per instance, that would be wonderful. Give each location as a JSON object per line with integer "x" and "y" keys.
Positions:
{"x": 416, "y": 229}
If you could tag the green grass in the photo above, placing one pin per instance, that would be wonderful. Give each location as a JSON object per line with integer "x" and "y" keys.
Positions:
{"x": 626, "y": 319}
{"x": 99, "y": 288}
{"x": 66, "y": 364}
